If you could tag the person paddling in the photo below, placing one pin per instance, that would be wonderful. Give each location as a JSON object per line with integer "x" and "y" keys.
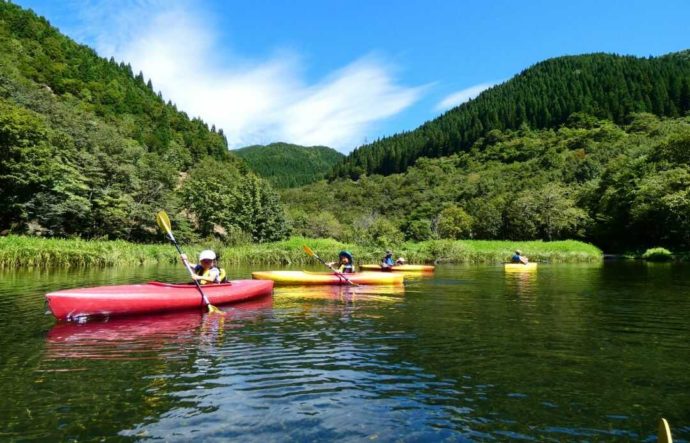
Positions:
{"x": 387, "y": 261}
{"x": 345, "y": 263}
{"x": 207, "y": 271}
{"x": 519, "y": 258}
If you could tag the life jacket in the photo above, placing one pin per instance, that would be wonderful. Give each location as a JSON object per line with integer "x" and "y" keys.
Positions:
{"x": 388, "y": 261}
{"x": 346, "y": 269}
{"x": 220, "y": 272}
{"x": 516, "y": 259}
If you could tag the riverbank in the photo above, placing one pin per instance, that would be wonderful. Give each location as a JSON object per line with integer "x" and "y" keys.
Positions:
{"x": 20, "y": 251}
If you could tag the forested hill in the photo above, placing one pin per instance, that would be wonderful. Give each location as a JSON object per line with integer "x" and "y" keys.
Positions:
{"x": 286, "y": 165}
{"x": 622, "y": 187}
{"x": 543, "y": 96}
{"x": 89, "y": 149}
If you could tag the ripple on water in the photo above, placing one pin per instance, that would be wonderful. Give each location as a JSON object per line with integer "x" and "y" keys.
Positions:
{"x": 567, "y": 354}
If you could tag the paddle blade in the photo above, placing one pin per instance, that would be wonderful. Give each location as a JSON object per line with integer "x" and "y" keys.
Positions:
{"x": 308, "y": 250}
{"x": 164, "y": 221}
{"x": 664, "y": 435}
{"x": 214, "y": 310}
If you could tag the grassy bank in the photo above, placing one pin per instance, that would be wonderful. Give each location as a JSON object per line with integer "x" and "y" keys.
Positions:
{"x": 18, "y": 251}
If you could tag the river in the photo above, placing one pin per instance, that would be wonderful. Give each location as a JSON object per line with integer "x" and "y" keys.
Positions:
{"x": 593, "y": 352}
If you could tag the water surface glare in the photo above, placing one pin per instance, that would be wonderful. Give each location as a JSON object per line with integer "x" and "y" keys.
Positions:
{"x": 592, "y": 352}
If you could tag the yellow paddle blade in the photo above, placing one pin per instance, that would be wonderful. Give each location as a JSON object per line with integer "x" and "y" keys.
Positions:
{"x": 163, "y": 221}
{"x": 213, "y": 310}
{"x": 308, "y": 250}
{"x": 664, "y": 435}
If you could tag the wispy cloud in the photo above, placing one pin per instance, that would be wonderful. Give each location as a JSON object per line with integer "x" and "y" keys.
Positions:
{"x": 460, "y": 97}
{"x": 252, "y": 100}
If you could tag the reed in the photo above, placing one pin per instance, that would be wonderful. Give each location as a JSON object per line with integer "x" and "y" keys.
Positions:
{"x": 20, "y": 251}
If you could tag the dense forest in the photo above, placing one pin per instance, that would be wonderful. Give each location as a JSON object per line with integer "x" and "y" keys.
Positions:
{"x": 544, "y": 96}
{"x": 593, "y": 147}
{"x": 89, "y": 149}
{"x": 287, "y": 166}
{"x": 622, "y": 186}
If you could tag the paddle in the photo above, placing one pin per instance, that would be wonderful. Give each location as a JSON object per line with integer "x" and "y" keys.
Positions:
{"x": 308, "y": 250}
{"x": 664, "y": 434}
{"x": 164, "y": 222}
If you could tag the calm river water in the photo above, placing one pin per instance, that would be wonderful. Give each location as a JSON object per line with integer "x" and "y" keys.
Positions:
{"x": 592, "y": 352}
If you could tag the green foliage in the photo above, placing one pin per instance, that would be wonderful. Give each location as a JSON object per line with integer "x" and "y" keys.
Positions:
{"x": 287, "y": 166}
{"x": 547, "y": 213}
{"x": 619, "y": 186}
{"x": 454, "y": 223}
{"x": 25, "y": 161}
{"x": 544, "y": 96}
{"x": 88, "y": 149}
{"x": 221, "y": 201}
{"x": 316, "y": 225}
{"x": 419, "y": 230}
{"x": 657, "y": 254}
{"x": 382, "y": 233}
{"x": 21, "y": 251}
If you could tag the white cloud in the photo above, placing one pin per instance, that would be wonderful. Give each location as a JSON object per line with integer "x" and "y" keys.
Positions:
{"x": 253, "y": 101}
{"x": 460, "y": 97}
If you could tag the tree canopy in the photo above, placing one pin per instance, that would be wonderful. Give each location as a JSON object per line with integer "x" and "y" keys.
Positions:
{"x": 89, "y": 149}
{"x": 287, "y": 166}
{"x": 621, "y": 186}
{"x": 544, "y": 96}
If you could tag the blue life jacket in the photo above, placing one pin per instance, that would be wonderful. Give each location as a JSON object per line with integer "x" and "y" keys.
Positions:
{"x": 516, "y": 259}
{"x": 388, "y": 261}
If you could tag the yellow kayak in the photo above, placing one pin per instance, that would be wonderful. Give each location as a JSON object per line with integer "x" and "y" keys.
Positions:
{"x": 519, "y": 267}
{"x": 328, "y": 278}
{"x": 403, "y": 268}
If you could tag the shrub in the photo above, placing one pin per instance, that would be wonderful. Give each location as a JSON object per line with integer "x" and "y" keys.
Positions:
{"x": 657, "y": 254}
{"x": 454, "y": 223}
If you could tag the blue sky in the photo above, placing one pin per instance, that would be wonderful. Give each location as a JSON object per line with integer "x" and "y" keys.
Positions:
{"x": 340, "y": 73}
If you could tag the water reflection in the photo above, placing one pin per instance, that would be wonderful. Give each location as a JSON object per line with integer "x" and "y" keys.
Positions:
{"x": 344, "y": 294}
{"x": 147, "y": 336}
{"x": 576, "y": 352}
{"x": 521, "y": 283}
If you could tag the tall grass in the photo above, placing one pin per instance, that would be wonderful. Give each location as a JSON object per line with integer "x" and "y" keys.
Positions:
{"x": 17, "y": 251}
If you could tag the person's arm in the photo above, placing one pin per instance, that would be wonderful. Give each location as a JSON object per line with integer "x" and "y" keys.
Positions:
{"x": 185, "y": 261}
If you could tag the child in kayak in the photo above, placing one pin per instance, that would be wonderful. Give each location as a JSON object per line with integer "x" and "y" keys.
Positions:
{"x": 346, "y": 263}
{"x": 207, "y": 271}
{"x": 387, "y": 261}
{"x": 519, "y": 258}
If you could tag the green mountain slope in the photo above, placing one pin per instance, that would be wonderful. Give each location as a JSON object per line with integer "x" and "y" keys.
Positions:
{"x": 286, "y": 165}
{"x": 89, "y": 149}
{"x": 623, "y": 187}
{"x": 543, "y": 96}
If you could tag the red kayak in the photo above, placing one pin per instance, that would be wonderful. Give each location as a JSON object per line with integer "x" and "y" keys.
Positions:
{"x": 150, "y": 297}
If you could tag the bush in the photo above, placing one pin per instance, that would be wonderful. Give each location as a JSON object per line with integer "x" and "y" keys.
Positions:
{"x": 419, "y": 230}
{"x": 657, "y": 254}
{"x": 454, "y": 223}
{"x": 383, "y": 233}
